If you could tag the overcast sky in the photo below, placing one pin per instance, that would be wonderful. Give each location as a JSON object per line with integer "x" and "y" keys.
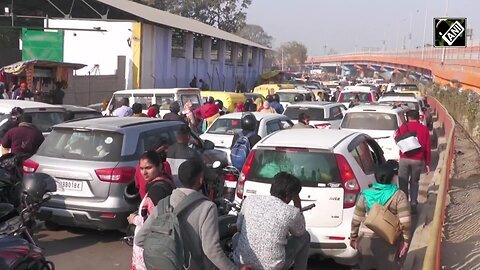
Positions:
{"x": 349, "y": 25}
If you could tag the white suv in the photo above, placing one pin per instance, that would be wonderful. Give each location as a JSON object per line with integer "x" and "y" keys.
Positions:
{"x": 365, "y": 93}
{"x": 322, "y": 114}
{"x": 334, "y": 166}
{"x": 379, "y": 121}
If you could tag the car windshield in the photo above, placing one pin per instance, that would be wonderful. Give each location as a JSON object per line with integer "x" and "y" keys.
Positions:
{"x": 44, "y": 121}
{"x": 411, "y": 105}
{"x": 370, "y": 121}
{"x": 312, "y": 168}
{"x": 92, "y": 145}
{"x": 406, "y": 87}
{"x": 225, "y": 127}
{"x": 287, "y": 97}
{"x": 316, "y": 114}
{"x": 347, "y": 97}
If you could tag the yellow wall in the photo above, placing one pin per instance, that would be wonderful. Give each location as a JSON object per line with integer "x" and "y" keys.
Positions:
{"x": 137, "y": 54}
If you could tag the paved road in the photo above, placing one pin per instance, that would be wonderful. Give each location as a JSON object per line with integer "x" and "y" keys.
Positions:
{"x": 75, "y": 249}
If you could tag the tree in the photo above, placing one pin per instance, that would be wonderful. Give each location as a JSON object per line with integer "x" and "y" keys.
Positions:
{"x": 256, "y": 34}
{"x": 228, "y": 15}
{"x": 294, "y": 53}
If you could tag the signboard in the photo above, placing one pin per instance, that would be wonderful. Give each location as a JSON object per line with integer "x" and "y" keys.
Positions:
{"x": 42, "y": 45}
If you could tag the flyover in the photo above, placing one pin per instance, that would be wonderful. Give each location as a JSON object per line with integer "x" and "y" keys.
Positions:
{"x": 441, "y": 65}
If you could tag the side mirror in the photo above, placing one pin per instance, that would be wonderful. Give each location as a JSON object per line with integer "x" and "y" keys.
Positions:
{"x": 395, "y": 165}
{"x": 208, "y": 145}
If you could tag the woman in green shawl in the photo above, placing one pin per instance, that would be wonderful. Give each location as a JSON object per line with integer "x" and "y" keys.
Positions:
{"x": 376, "y": 253}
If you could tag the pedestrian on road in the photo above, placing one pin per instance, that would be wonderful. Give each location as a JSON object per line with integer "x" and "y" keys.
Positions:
{"x": 266, "y": 108}
{"x": 375, "y": 252}
{"x": 336, "y": 94}
{"x": 158, "y": 186}
{"x": 26, "y": 138}
{"x": 3, "y": 92}
{"x": 138, "y": 110}
{"x": 412, "y": 163}
{"x": 174, "y": 115}
{"x": 204, "y": 86}
{"x": 275, "y": 104}
{"x": 221, "y": 108}
{"x": 124, "y": 110}
{"x": 303, "y": 121}
{"x": 199, "y": 222}
{"x": 12, "y": 121}
{"x": 193, "y": 83}
{"x": 239, "y": 107}
{"x": 271, "y": 232}
{"x": 189, "y": 117}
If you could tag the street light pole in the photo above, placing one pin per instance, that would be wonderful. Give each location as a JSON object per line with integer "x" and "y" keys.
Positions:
{"x": 424, "y": 30}
{"x": 282, "y": 58}
{"x": 445, "y": 49}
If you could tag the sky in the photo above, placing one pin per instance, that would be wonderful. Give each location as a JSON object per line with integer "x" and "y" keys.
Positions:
{"x": 353, "y": 25}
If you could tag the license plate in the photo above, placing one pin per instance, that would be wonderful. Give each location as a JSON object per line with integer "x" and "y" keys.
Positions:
{"x": 71, "y": 185}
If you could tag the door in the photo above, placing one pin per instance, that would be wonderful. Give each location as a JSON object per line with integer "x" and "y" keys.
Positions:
{"x": 362, "y": 154}
{"x": 336, "y": 117}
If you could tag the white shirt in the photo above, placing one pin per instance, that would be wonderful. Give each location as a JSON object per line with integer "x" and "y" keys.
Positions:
{"x": 123, "y": 111}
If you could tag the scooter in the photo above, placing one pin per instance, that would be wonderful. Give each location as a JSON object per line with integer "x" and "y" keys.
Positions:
{"x": 18, "y": 249}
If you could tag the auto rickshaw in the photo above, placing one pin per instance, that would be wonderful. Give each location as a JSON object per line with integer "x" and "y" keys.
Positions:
{"x": 229, "y": 99}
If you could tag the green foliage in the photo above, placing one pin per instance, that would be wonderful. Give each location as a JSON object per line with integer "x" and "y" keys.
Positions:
{"x": 294, "y": 53}
{"x": 256, "y": 34}
{"x": 228, "y": 15}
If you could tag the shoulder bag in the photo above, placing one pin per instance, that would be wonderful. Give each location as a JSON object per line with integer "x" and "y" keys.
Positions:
{"x": 383, "y": 222}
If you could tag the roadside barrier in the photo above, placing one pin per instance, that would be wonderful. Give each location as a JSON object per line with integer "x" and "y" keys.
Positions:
{"x": 433, "y": 252}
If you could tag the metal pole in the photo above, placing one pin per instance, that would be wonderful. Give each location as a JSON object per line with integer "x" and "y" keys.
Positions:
{"x": 444, "y": 49}
{"x": 424, "y": 29}
{"x": 282, "y": 58}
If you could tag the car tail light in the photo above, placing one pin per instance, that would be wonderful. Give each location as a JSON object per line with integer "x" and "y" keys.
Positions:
{"x": 350, "y": 184}
{"x": 116, "y": 175}
{"x": 324, "y": 125}
{"x": 30, "y": 166}
{"x": 370, "y": 98}
{"x": 244, "y": 174}
{"x": 336, "y": 238}
{"x": 422, "y": 116}
{"x": 108, "y": 215}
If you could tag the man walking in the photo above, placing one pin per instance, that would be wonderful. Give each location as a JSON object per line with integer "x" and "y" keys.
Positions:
{"x": 25, "y": 138}
{"x": 303, "y": 121}
{"x": 413, "y": 162}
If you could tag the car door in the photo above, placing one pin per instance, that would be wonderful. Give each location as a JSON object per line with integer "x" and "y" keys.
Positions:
{"x": 364, "y": 172}
{"x": 273, "y": 126}
{"x": 336, "y": 116}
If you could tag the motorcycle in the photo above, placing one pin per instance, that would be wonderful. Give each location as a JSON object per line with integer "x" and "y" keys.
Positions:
{"x": 11, "y": 174}
{"x": 18, "y": 249}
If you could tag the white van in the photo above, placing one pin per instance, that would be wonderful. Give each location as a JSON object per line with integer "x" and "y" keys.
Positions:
{"x": 162, "y": 97}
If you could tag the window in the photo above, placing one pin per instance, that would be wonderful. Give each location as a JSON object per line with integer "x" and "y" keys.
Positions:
{"x": 370, "y": 121}
{"x": 214, "y": 52}
{"x": 197, "y": 46}
{"x": 240, "y": 55}
{"x": 152, "y": 139}
{"x": 145, "y": 100}
{"x": 312, "y": 168}
{"x": 228, "y": 52}
{"x": 192, "y": 99}
{"x": 164, "y": 101}
{"x": 336, "y": 113}
{"x": 288, "y": 97}
{"x": 92, "y": 145}
{"x": 225, "y": 127}
{"x": 347, "y": 97}
{"x": 273, "y": 126}
{"x": 316, "y": 114}
{"x": 117, "y": 101}
{"x": 44, "y": 121}
{"x": 178, "y": 44}
{"x": 363, "y": 156}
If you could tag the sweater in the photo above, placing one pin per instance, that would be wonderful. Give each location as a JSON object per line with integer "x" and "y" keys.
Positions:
{"x": 199, "y": 232}
{"x": 423, "y": 135}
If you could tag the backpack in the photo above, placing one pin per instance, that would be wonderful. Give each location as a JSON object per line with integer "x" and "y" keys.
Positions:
{"x": 164, "y": 247}
{"x": 240, "y": 150}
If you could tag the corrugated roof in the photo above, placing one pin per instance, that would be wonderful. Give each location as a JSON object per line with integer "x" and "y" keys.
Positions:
{"x": 161, "y": 17}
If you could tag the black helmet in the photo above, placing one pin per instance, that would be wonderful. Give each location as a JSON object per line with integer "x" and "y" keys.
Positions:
{"x": 130, "y": 193}
{"x": 298, "y": 98}
{"x": 210, "y": 100}
{"x": 36, "y": 185}
{"x": 249, "y": 122}
{"x": 276, "y": 98}
{"x": 219, "y": 104}
{"x": 175, "y": 107}
{"x": 269, "y": 98}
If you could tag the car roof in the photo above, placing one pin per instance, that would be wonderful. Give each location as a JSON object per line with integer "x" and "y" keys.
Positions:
{"x": 114, "y": 123}
{"x": 6, "y": 105}
{"x": 258, "y": 115}
{"x": 383, "y": 108}
{"x": 310, "y": 138}
{"x": 348, "y": 89}
{"x": 398, "y": 98}
{"x": 74, "y": 108}
{"x": 314, "y": 104}
{"x": 155, "y": 91}
{"x": 293, "y": 91}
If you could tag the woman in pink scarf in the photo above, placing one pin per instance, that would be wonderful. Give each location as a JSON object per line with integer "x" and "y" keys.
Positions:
{"x": 240, "y": 107}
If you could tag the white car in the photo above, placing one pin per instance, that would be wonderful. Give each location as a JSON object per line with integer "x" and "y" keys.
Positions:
{"x": 379, "y": 122}
{"x": 365, "y": 93}
{"x": 287, "y": 96}
{"x": 221, "y": 132}
{"x": 322, "y": 114}
{"x": 408, "y": 100}
{"x": 334, "y": 166}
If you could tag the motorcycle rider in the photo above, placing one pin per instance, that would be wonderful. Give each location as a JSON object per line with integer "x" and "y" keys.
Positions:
{"x": 276, "y": 104}
{"x": 257, "y": 243}
{"x": 26, "y": 138}
{"x": 248, "y": 124}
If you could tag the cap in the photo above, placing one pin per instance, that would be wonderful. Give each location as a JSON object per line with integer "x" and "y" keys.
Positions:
{"x": 23, "y": 84}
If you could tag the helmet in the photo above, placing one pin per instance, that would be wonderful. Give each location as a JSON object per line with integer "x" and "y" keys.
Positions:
{"x": 131, "y": 193}
{"x": 269, "y": 98}
{"x": 36, "y": 185}
{"x": 249, "y": 122}
{"x": 219, "y": 104}
{"x": 210, "y": 100}
{"x": 298, "y": 98}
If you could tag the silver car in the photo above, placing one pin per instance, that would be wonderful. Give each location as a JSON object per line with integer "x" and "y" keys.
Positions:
{"x": 94, "y": 160}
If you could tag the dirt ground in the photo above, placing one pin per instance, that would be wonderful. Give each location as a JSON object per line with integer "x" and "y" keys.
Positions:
{"x": 461, "y": 243}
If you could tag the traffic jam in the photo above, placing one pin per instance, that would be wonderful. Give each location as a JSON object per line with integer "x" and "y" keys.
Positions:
{"x": 331, "y": 136}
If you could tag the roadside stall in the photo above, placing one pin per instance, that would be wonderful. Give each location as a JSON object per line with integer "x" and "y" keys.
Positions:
{"x": 46, "y": 80}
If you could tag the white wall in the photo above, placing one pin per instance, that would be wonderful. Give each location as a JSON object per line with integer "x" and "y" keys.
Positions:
{"x": 94, "y": 47}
